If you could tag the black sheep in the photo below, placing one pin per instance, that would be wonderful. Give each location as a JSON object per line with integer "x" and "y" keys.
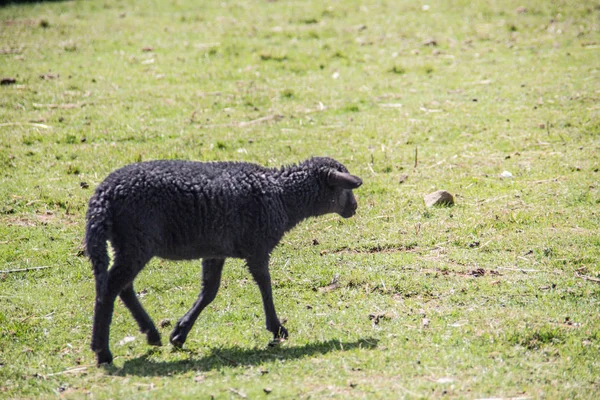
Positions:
{"x": 182, "y": 210}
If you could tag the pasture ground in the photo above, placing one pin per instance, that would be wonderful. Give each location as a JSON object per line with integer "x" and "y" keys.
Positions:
{"x": 498, "y": 296}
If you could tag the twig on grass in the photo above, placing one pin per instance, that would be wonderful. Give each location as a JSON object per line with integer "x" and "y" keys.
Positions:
{"x": 320, "y": 108}
{"x": 71, "y": 370}
{"x": 243, "y": 124}
{"x": 587, "y": 278}
{"x": 519, "y": 269}
{"x": 370, "y": 165}
{"x": 8, "y": 271}
{"x": 416, "y": 156}
{"x": 555, "y": 272}
{"x": 239, "y": 393}
{"x": 63, "y": 106}
{"x": 26, "y": 123}
{"x": 274, "y": 117}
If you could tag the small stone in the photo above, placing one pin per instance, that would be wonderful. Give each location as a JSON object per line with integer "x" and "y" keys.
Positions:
{"x": 165, "y": 323}
{"x": 402, "y": 178}
{"x": 439, "y": 198}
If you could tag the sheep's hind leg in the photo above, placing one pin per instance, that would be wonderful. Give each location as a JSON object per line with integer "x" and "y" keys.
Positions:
{"x": 260, "y": 272}
{"x": 103, "y": 311}
{"x": 144, "y": 321}
{"x": 119, "y": 276}
{"x": 211, "y": 280}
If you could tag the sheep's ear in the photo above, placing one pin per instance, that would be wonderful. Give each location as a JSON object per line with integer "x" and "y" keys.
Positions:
{"x": 343, "y": 180}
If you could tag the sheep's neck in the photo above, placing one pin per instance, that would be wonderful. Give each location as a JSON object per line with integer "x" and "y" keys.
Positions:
{"x": 299, "y": 198}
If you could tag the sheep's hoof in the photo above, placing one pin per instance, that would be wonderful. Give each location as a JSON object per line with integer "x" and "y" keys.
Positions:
{"x": 276, "y": 342}
{"x": 104, "y": 357}
{"x": 177, "y": 341}
{"x": 153, "y": 342}
{"x": 282, "y": 333}
{"x": 153, "y": 339}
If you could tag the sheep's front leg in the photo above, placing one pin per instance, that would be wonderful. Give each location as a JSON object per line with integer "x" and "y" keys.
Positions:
{"x": 260, "y": 272}
{"x": 211, "y": 280}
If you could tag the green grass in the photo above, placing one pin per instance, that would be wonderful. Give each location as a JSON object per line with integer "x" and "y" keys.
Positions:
{"x": 488, "y": 298}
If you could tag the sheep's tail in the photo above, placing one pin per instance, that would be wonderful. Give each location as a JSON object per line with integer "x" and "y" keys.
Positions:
{"x": 96, "y": 236}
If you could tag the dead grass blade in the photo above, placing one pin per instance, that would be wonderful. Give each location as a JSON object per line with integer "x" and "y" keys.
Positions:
{"x": 8, "y": 271}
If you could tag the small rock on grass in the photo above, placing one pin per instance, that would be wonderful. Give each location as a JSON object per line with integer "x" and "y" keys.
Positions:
{"x": 165, "y": 323}
{"x": 8, "y": 81}
{"x": 439, "y": 198}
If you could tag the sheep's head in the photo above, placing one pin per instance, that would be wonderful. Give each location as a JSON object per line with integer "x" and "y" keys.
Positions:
{"x": 335, "y": 187}
{"x": 341, "y": 199}
{"x": 321, "y": 185}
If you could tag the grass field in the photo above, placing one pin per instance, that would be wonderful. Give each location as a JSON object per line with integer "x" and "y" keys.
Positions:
{"x": 497, "y": 102}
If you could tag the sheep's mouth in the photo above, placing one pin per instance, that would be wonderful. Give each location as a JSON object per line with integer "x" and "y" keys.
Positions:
{"x": 348, "y": 213}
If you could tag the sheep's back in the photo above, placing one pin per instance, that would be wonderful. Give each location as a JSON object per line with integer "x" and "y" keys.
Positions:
{"x": 184, "y": 210}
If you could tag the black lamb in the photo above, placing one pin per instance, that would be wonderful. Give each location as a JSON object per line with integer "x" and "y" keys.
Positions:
{"x": 182, "y": 210}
